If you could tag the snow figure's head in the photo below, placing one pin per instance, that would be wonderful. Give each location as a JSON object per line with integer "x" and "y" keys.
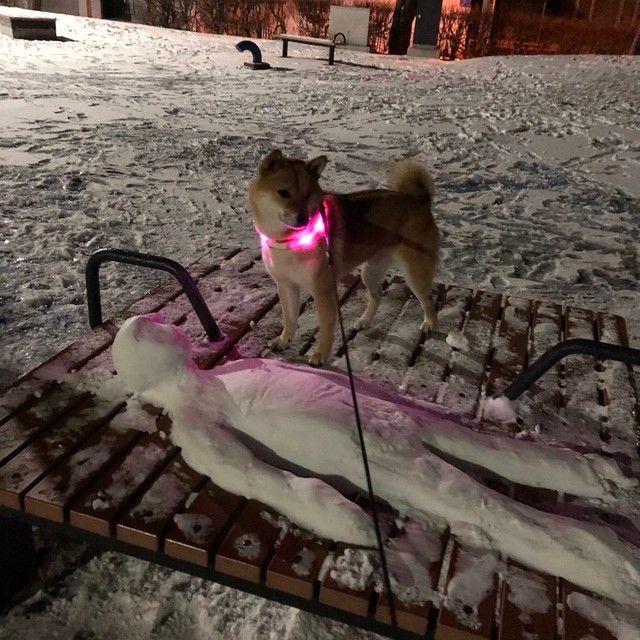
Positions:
{"x": 149, "y": 353}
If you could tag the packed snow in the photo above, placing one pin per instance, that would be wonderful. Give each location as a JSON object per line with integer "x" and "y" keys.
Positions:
{"x": 130, "y": 136}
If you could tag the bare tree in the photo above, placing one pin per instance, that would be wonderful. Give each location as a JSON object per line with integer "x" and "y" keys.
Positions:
{"x": 453, "y": 34}
{"x": 253, "y": 18}
{"x": 380, "y": 17}
{"x": 172, "y": 14}
{"x": 635, "y": 45}
{"x": 276, "y": 17}
{"x": 213, "y": 16}
{"x": 312, "y": 17}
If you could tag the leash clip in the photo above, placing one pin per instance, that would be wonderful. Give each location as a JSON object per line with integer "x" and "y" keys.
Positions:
{"x": 325, "y": 223}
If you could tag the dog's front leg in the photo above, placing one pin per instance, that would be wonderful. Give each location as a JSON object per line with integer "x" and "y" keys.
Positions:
{"x": 289, "y": 294}
{"x": 324, "y": 296}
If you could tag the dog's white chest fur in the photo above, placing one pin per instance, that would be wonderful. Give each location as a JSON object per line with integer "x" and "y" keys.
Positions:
{"x": 295, "y": 266}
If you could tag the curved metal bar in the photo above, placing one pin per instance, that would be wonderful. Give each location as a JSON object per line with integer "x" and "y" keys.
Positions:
{"x": 92, "y": 276}
{"x": 600, "y": 350}
{"x": 344, "y": 38}
{"x": 248, "y": 45}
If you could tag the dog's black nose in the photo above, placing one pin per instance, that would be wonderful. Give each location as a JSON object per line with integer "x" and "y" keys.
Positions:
{"x": 302, "y": 220}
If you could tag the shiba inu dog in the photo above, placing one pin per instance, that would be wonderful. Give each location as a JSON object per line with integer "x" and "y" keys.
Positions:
{"x": 370, "y": 228}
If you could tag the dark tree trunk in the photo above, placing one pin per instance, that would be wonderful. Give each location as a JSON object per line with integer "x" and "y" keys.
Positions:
{"x": 400, "y": 33}
{"x": 635, "y": 45}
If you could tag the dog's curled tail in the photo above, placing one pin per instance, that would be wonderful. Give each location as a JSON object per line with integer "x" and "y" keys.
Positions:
{"x": 409, "y": 176}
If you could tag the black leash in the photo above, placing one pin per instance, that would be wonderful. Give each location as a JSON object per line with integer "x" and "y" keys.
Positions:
{"x": 363, "y": 449}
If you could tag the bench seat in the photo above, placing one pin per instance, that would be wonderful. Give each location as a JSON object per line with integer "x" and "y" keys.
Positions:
{"x": 28, "y": 28}
{"x": 316, "y": 42}
{"x": 50, "y": 431}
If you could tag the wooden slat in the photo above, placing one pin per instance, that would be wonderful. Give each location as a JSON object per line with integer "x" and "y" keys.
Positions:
{"x": 399, "y": 346}
{"x": 307, "y": 337}
{"x": 460, "y": 620}
{"x": 528, "y": 606}
{"x": 254, "y": 343}
{"x": 576, "y": 626}
{"x": 20, "y": 430}
{"x": 425, "y": 378}
{"x": 247, "y": 548}
{"x": 336, "y": 594}
{"x": 511, "y": 344}
{"x": 582, "y": 393}
{"x": 534, "y": 496}
{"x": 296, "y": 564}
{"x": 241, "y": 283}
{"x": 464, "y": 385}
{"x": 144, "y": 523}
{"x": 30, "y": 388}
{"x": 363, "y": 349}
{"x": 97, "y": 508}
{"x": 22, "y": 471}
{"x": 547, "y": 331}
{"x": 197, "y": 529}
{"x": 236, "y": 303}
{"x": 171, "y": 289}
{"x": 410, "y": 616}
{"x": 619, "y": 392}
{"x": 52, "y": 495}
{"x": 180, "y": 311}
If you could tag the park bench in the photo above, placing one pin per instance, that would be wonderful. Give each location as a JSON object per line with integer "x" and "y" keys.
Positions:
{"x": 28, "y": 28}
{"x": 50, "y": 431}
{"x": 315, "y": 42}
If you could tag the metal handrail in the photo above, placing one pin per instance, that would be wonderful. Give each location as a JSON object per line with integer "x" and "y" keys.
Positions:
{"x": 600, "y": 350}
{"x": 92, "y": 276}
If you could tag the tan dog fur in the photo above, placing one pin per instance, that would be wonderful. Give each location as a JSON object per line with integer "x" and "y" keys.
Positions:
{"x": 371, "y": 228}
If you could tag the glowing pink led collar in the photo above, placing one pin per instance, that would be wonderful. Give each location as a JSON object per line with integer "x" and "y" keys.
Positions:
{"x": 301, "y": 240}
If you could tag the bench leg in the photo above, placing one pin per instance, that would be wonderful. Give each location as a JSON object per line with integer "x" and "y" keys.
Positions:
{"x": 332, "y": 51}
{"x": 17, "y": 558}
{"x": 285, "y": 48}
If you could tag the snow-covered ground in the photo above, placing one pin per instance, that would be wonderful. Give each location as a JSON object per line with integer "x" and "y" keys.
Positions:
{"x": 141, "y": 138}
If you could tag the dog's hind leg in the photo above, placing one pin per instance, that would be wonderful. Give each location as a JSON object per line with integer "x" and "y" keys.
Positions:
{"x": 372, "y": 274}
{"x": 289, "y": 294}
{"x": 419, "y": 269}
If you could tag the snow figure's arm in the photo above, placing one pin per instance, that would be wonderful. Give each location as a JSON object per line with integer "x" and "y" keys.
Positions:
{"x": 309, "y": 502}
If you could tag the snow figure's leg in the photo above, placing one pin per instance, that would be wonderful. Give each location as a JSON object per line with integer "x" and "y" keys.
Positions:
{"x": 587, "y": 554}
{"x": 529, "y": 463}
{"x": 373, "y": 273}
{"x": 289, "y": 294}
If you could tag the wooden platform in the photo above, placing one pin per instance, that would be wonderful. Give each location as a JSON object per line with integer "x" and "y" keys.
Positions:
{"x": 24, "y": 28}
{"x": 63, "y": 466}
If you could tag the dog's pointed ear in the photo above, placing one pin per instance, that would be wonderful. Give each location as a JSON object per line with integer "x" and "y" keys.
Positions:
{"x": 271, "y": 162}
{"x": 317, "y": 165}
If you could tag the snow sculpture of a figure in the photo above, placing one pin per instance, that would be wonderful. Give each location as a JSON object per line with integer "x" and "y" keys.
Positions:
{"x": 279, "y": 433}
